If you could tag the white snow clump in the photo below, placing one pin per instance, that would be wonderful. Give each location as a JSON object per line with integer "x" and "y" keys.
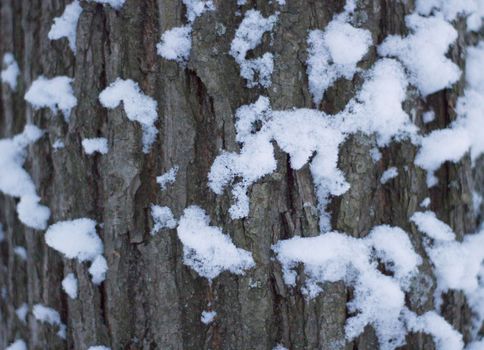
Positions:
{"x": 65, "y": 26}
{"x": 11, "y": 71}
{"x": 137, "y": 106}
{"x": 256, "y": 71}
{"x": 16, "y": 182}
{"x": 55, "y": 94}
{"x": 206, "y": 249}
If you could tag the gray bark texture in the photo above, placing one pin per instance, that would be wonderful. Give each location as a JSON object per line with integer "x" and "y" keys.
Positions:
{"x": 150, "y": 299}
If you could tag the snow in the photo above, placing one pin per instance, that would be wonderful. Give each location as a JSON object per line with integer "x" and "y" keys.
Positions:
{"x": 477, "y": 201}
{"x": 208, "y": 317}
{"x": 464, "y": 134}
{"x": 475, "y": 299}
{"x": 474, "y": 75}
{"x": 423, "y": 53}
{"x": 78, "y": 239}
{"x": 21, "y": 312}
{"x": 471, "y": 107}
{"x": 375, "y": 154}
{"x": 248, "y": 36}
{"x": 176, "y": 44}
{"x": 116, "y": 4}
{"x": 228, "y": 166}
{"x": 428, "y": 223}
{"x": 456, "y": 265}
{"x": 99, "y": 144}
{"x": 346, "y": 44}
{"x": 333, "y": 54}
{"x": 304, "y": 134}
{"x": 476, "y": 345}
{"x": 474, "y": 20}
{"x": 350, "y": 7}
{"x": 206, "y": 249}
{"x": 255, "y": 160}
{"x": 393, "y": 247}
{"x": 98, "y": 347}
{"x": 98, "y": 269}
{"x": 16, "y": 182}
{"x": 167, "y": 178}
{"x": 441, "y": 146}
{"x": 389, "y": 174}
{"x": 31, "y": 213}
{"x": 450, "y": 9}
{"x": 247, "y": 115}
{"x": 50, "y": 316}
{"x": 70, "y": 285}
{"x": 299, "y": 133}
{"x": 55, "y": 93}
{"x": 444, "y": 335}
{"x": 425, "y": 203}
{"x": 428, "y": 117}
{"x": 11, "y": 71}
{"x": 137, "y": 106}
{"x": 162, "y": 218}
{"x": 196, "y": 8}
{"x": 65, "y": 26}
{"x": 377, "y": 108}
{"x": 311, "y": 135}
{"x": 379, "y": 299}
{"x": 58, "y": 144}
{"x": 279, "y": 347}
{"x": 21, "y": 252}
{"x": 19, "y": 344}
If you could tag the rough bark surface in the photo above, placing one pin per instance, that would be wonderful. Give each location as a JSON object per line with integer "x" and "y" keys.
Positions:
{"x": 150, "y": 299}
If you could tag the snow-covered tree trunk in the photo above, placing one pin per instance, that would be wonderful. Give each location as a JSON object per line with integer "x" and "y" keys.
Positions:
{"x": 152, "y": 298}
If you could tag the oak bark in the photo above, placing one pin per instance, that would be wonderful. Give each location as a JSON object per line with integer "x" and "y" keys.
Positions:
{"x": 150, "y": 299}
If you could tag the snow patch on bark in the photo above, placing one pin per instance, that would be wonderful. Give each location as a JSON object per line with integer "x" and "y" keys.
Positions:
{"x": 10, "y": 73}
{"x": 333, "y": 54}
{"x": 99, "y": 144}
{"x": 256, "y": 71}
{"x": 379, "y": 299}
{"x": 423, "y": 53}
{"x": 15, "y": 181}
{"x": 176, "y": 44}
{"x": 65, "y": 26}
{"x": 162, "y": 218}
{"x": 50, "y": 316}
{"x": 167, "y": 178}
{"x": 206, "y": 249}
{"x": 19, "y": 344}
{"x": 389, "y": 174}
{"x": 55, "y": 94}
{"x": 70, "y": 285}
{"x": 78, "y": 239}
{"x": 302, "y": 133}
{"x": 137, "y": 106}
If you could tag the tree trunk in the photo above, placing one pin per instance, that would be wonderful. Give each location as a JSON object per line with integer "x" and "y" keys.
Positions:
{"x": 150, "y": 298}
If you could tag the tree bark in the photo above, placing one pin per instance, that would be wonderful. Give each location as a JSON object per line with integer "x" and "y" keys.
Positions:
{"x": 150, "y": 299}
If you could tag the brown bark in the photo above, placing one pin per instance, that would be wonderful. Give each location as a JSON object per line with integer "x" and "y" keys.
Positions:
{"x": 150, "y": 299}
